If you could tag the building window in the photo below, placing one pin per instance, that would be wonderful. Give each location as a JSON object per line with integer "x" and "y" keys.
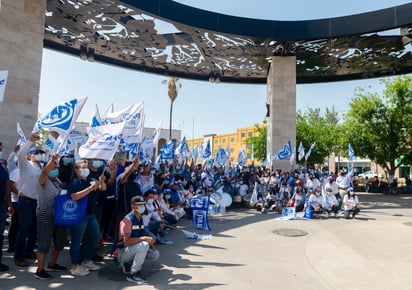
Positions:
{"x": 243, "y": 135}
{"x": 232, "y": 150}
{"x": 249, "y": 134}
{"x": 224, "y": 140}
{"x": 232, "y": 140}
{"x": 216, "y": 141}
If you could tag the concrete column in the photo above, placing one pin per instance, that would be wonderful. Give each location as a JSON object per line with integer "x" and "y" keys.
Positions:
{"x": 281, "y": 100}
{"x": 21, "y": 48}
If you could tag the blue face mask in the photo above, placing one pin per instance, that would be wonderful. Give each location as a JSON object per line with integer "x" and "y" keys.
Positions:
{"x": 68, "y": 160}
{"x": 97, "y": 163}
{"x": 54, "y": 173}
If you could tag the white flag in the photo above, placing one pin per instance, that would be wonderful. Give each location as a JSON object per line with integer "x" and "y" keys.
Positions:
{"x": 103, "y": 141}
{"x": 3, "y": 83}
{"x": 133, "y": 116}
{"x": 156, "y": 133}
{"x": 20, "y": 133}
{"x": 146, "y": 150}
{"x": 310, "y": 151}
{"x": 301, "y": 151}
{"x": 292, "y": 157}
{"x": 253, "y": 198}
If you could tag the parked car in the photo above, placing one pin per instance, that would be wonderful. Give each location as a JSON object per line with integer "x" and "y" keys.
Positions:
{"x": 369, "y": 175}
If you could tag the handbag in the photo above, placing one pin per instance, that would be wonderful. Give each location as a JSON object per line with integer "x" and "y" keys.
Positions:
{"x": 68, "y": 212}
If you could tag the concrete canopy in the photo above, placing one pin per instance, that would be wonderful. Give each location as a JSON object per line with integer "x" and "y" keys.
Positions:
{"x": 169, "y": 38}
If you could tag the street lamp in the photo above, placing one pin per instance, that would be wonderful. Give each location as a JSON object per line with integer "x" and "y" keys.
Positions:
{"x": 173, "y": 85}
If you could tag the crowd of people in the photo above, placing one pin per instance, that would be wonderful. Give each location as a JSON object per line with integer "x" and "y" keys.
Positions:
{"x": 133, "y": 204}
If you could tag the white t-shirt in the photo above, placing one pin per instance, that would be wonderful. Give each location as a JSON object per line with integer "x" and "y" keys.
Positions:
{"x": 15, "y": 177}
{"x": 350, "y": 199}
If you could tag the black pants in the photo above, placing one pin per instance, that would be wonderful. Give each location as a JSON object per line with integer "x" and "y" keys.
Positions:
{"x": 354, "y": 212}
{"x": 14, "y": 226}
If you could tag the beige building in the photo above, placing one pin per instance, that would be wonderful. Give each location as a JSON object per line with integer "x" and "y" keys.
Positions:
{"x": 235, "y": 141}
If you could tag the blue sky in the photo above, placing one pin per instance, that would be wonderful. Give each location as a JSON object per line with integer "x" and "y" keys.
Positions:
{"x": 201, "y": 107}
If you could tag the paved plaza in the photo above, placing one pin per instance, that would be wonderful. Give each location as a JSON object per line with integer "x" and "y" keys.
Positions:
{"x": 250, "y": 250}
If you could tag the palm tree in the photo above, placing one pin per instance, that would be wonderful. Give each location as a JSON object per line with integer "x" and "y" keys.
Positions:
{"x": 173, "y": 84}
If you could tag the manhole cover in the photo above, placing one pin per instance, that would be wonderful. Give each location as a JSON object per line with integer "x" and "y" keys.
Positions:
{"x": 408, "y": 224}
{"x": 290, "y": 232}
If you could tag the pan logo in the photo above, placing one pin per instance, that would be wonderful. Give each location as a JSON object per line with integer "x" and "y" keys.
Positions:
{"x": 70, "y": 206}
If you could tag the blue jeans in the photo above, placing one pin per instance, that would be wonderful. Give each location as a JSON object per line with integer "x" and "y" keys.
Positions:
{"x": 26, "y": 234}
{"x": 84, "y": 239}
{"x": 3, "y": 216}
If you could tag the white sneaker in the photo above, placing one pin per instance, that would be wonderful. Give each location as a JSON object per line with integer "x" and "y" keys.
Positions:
{"x": 89, "y": 265}
{"x": 79, "y": 271}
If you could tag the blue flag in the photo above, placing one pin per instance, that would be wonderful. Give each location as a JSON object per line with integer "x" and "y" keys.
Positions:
{"x": 195, "y": 153}
{"x": 200, "y": 207}
{"x": 285, "y": 152}
{"x": 62, "y": 117}
{"x": 220, "y": 156}
{"x": 132, "y": 149}
{"x": 351, "y": 153}
{"x": 95, "y": 120}
{"x": 206, "y": 153}
{"x": 167, "y": 151}
{"x": 242, "y": 157}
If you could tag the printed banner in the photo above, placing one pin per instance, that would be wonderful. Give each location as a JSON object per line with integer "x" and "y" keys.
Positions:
{"x": 200, "y": 207}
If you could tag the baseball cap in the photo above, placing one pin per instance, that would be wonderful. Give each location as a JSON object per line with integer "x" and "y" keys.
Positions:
{"x": 137, "y": 200}
{"x": 35, "y": 150}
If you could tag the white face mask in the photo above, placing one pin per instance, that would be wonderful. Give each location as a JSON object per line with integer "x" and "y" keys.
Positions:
{"x": 84, "y": 172}
{"x": 141, "y": 209}
{"x": 38, "y": 157}
{"x": 150, "y": 200}
{"x": 1, "y": 154}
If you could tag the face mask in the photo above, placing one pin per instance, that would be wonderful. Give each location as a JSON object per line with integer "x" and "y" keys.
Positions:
{"x": 84, "y": 172}
{"x": 150, "y": 200}
{"x": 97, "y": 163}
{"x": 38, "y": 157}
{"x": 141, "y": 209}
{"x": 166, "y": 170}
{"x": 68, "y": 161}
{"x": 54, "y": 173}
{"x": 152, "y": 171}
{"x": 1, "y": 154}
{"x": 167, "y": 196}
{"x": 241, "y": 182}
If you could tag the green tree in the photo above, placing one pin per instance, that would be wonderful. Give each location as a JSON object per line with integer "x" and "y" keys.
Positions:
{"x": 313, "y": 127}
{"x": 259, "y": 141}
{"x": 379, "y": 126}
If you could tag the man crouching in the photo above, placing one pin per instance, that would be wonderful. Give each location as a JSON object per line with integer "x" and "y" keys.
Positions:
{"x": 135, "y": 244}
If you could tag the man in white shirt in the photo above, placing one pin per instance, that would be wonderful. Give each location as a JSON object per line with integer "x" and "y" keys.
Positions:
{"x": 30, "y": 167}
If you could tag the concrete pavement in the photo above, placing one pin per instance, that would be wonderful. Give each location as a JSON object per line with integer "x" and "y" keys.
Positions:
{"x": 371, "y": 252}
